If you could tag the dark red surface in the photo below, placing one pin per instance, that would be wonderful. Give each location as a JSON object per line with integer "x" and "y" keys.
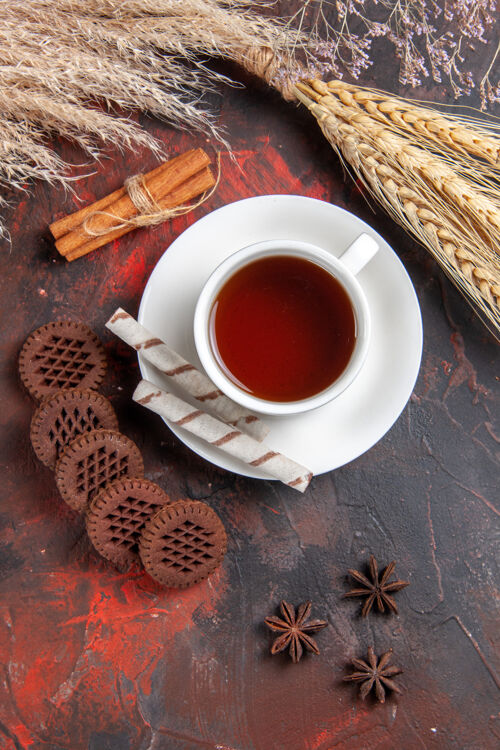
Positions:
{"x": 92, "y": 658}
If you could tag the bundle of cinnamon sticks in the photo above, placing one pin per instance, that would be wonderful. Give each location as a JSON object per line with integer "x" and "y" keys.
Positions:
{"x": 167, "y": 187}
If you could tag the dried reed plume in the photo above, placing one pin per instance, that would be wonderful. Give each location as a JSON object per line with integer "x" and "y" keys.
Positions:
{"x": 57, "y": 60}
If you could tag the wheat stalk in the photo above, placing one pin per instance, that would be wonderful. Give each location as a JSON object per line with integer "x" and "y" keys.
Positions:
{"x": 477, "y": 202}
{"x": 457, "y": 219}
{"x": 456, "y": 136}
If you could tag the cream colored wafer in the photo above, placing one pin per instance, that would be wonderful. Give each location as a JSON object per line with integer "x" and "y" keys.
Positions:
{"x": 185, "y": 374}
{"x": 221, "y": 435}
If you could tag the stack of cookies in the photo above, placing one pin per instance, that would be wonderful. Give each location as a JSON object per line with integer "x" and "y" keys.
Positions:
{"x": 100, "y": 472}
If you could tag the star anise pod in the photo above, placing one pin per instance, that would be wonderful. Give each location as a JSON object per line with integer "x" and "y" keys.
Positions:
{"x": 378, "y": 588}
{"x": 375, "y": 672}
{"x": 294, "y": 630}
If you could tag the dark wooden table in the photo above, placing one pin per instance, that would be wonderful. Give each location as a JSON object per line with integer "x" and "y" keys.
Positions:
{"x": 95, "y": 659}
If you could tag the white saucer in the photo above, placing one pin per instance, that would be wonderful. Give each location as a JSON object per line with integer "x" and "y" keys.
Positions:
{"x": 342, "y": 430}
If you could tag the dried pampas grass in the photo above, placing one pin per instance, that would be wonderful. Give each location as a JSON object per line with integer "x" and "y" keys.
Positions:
{"x": 58, "y": 59}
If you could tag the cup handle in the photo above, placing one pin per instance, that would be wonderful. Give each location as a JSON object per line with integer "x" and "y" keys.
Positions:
{"x": 359, "y": 253}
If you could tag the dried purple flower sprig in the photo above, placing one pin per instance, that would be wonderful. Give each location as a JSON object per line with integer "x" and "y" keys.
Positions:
{"x": 429, "y": 39}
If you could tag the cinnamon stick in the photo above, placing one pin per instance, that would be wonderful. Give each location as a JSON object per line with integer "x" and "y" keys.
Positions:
{"x": 68, "y": 223}
{"x": 70, "y": 232}
{"x": 184, "y": 192}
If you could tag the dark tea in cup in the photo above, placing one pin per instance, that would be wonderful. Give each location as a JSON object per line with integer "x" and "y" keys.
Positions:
{"x": 282, "y": 328}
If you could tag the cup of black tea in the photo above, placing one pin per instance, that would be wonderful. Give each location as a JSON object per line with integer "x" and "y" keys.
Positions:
{"x": 283, "y": 326}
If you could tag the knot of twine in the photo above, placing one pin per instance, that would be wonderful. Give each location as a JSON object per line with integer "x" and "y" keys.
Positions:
{"x": 280, "y": 72}
{"x": 149, "y": 212}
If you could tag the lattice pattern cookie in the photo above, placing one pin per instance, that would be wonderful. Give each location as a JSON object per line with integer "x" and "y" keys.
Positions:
{"x": 183, "y": 543}
{"x": 117, "y": 514}
{"x": 62, "y": 417}
{"x": 92, "y": 461}
{"x": 62, "y": 354}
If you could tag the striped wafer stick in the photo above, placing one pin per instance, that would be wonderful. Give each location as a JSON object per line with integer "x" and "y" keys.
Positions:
{"x": 222, "y": 435}
{"x": 185, "y": 374}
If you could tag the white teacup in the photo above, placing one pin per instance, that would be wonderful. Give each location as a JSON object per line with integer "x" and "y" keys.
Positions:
{"x": 343, "y": 269}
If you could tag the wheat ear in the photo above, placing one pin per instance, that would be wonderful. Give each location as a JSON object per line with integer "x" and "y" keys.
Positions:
{"x": 458, "y": 223}
{"x": 456, "y": 136}
{"x": 442, "y": 178}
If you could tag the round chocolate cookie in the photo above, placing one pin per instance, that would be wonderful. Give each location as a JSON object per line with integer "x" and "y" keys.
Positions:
{"x": 92, "y": 461}
{"x": 62, "y": 417}
{"x": 183, "y": 543}
{"x": 117, "y": 514}
{"x": 63, "y": 354}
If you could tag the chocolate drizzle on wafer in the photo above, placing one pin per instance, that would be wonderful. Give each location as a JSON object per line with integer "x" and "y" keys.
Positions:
{"x": 222, "y": 435}
{"x": 184, "y": 374}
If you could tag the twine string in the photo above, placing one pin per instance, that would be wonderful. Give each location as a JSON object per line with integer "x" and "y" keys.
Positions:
{"x": 140, "y": 195}
{"x": 149, "y": 212}
{"x": 274, "y": 69}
